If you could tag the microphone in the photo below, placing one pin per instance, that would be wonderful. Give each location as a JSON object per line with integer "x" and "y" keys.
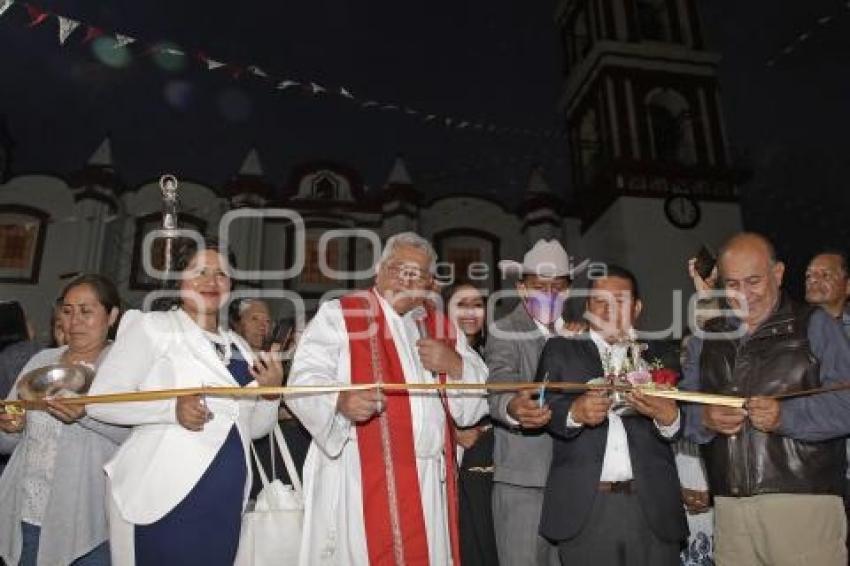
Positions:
{"x": 419, "y": 315}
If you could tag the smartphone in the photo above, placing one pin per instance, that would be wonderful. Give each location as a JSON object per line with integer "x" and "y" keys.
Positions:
{"x": 280, "y": 334}
{"x": 705, "y": 262}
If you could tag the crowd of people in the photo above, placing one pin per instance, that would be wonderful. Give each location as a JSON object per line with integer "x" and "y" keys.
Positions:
{"x": 406, "y": 457}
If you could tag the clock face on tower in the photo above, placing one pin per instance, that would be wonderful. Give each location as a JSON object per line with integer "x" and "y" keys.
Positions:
{"x": 682, "y": 211}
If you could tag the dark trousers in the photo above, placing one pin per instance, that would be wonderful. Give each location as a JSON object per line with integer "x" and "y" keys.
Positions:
{"x": 617, "y": 534}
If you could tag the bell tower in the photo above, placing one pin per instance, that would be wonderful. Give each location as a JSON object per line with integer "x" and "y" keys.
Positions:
{"x": 641, "y": 103}
{"x": 651, "y": 164}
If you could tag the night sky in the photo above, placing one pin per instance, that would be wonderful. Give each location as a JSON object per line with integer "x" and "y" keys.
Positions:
{"x": 496, "y": 61}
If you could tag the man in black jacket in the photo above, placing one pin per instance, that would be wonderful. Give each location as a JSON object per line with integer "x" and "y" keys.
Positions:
{"x": 612, "y": 497}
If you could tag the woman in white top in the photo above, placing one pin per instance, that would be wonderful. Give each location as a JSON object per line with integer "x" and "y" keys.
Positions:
{"x": 53, "y": 490}
{"x": 180, "y": 482}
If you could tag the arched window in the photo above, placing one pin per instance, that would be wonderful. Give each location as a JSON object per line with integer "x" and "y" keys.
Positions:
{"x": 671, "y": 127}
{"x": 590, "y": 146}
{"x": 324, "y": 187}
{"x": 654, "y": 20}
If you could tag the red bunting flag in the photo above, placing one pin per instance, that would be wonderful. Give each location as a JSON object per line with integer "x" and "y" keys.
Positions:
{"x": 36, "y": 15}
{"x": 92, "y": 33}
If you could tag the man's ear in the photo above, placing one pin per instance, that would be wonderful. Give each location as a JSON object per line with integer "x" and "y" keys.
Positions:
{"x": 637, "y": 308}
{"x": 778, "y": 272}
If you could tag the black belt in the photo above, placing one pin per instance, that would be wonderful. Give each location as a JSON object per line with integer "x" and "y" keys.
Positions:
{"x": 624, "y": 487}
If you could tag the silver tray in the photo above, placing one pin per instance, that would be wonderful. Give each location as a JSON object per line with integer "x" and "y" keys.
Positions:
{"x": 55, "y": 380}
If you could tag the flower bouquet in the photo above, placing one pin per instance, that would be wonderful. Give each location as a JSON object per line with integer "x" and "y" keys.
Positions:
{"x": 631, "y": 370}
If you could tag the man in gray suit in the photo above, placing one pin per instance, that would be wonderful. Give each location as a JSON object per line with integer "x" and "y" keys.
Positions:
{"x": 523, "y": 450}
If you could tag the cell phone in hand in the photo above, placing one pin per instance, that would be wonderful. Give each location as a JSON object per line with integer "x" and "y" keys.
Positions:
{"x": 705, "y": 262}
{"x": 281, "y": 334}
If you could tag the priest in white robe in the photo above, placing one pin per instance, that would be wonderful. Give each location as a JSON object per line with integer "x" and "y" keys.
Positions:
{"x": 378, "y": 484}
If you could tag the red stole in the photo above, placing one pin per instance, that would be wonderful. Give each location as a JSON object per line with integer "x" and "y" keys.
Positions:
{"x": 392, "y": 503}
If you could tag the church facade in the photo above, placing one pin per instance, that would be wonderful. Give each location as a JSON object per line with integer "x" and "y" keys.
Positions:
{"x": 652, "y": 181}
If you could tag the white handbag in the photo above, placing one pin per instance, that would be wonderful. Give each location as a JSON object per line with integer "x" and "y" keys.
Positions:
{"x": 271, "y": 531}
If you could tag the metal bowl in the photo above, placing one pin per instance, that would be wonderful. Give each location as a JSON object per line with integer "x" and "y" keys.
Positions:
{"x": 55, "y": 380}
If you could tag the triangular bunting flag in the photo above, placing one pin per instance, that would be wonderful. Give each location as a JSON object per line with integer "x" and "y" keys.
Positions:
{"x": 462, "y": 125}
{"x": 390, "y": 107}
{"x": 66, "y": 28}
{"x": 283, "y": 85}
{"x": 213, "y": 64}
{"x": 92, "y": 33}
{"x": 317, "y": 88}
{"x": 430, "y": 117}
{"x": 122, "y": 40}
{"x": 345, "y": 93}
{"x": 411, "y": 111}
{"x": 257, "y": 71}
{"x": 36, "y": 15}
{"x": 369, "y": 104}
{"x": 5, "y": 5}
{"x": 172, "y": 51}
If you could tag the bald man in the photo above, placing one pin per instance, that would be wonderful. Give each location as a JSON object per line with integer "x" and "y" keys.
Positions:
{"x": 776, "y": 470}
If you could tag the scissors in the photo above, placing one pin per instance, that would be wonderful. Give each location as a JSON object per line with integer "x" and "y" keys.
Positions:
{"x": 541, "y": 397}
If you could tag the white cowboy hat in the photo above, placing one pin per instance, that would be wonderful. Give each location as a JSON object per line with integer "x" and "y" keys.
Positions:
{"x": 545, "y": 258}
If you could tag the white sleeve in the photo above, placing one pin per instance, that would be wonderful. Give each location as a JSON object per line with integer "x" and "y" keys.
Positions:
{"x": 469, "y": 406}
{"x": 320, "y": 352}
{"x": 140, "y": 341}
{"x": 690, "y": 466}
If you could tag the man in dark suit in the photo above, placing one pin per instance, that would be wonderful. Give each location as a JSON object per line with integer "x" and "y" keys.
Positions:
{"x": 612, "y": 496}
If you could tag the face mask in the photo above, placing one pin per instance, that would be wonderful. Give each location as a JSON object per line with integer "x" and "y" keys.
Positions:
{"x": 545, "y": 308}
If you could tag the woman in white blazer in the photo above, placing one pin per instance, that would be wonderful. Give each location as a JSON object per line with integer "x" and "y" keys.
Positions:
{"x": 180, "y": 481}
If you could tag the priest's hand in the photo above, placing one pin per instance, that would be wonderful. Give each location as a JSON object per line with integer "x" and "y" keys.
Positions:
{"x": 527, "y": 411}
{"x": 591, "y": 408}
{"x": 764, "y": 413}
{"x": 662, "y": 411}
{"x": 725, "y": 420}
{"x": 360, "y": 406}
{"x": 439, "y": 357}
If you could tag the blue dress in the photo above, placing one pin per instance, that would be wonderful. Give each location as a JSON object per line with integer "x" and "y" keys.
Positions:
{"x": 203, "y": 529}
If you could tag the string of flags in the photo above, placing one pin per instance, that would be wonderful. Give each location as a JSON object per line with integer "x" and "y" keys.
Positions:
{"x": 68, "y": 27}
{"x": 802, "y": 37}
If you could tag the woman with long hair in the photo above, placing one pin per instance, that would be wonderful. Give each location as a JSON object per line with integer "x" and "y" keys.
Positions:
{"x": 467, "y": 308}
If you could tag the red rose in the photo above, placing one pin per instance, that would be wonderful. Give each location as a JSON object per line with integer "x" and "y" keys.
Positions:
{"x": 665, "y": 376}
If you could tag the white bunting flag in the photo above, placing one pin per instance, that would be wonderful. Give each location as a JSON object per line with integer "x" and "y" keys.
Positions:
{"x": 317, "y": 88}
{"x": 122, "y": 40}
{"x": 344, "y": 92}
{"x": 462, "y": 125}
{"x": 257, "y": 71}
{"x": 369, "y": 104}
{"x": 283, "y": 85}
{"x": 66, "y": 28}
{"x": 430, "y": 117}
{"x": 213, "y": 64}
{"x": 5, "y": 5}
